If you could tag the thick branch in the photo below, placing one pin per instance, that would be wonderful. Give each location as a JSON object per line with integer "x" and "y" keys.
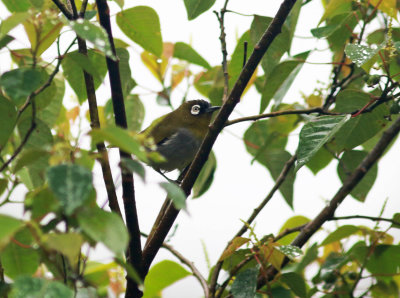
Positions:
{"x": 327, "y": 213}
{"x": 128, "y": 191}
{"x": 63, "y": 8}
{"x": 155, "y": 241}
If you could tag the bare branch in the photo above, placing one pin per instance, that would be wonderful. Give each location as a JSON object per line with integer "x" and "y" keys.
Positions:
{"x": 63, "y": 8}
{"x": 365, "y": 217}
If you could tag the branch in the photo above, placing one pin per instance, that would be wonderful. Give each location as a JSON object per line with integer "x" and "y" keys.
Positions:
{"x": 327, "y": 213}
{"x": 63, "y": 8}
{"x": 365, "y": 217}
{"x": 221, "y": 17}
{"x": 128, "y": 191}
{"x": 156, "y": 239}
{"x": 282, "y": 176}
{"x": 318, "y": 110}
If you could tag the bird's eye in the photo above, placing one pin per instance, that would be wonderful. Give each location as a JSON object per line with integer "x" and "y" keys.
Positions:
{"x": 195, "y": 110}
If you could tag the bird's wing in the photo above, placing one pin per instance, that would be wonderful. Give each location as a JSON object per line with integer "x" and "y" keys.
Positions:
{"x": 160, "y": 132}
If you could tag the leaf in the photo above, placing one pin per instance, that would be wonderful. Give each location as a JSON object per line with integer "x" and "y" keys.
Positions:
{"x": 388, "y": 6}
{"x": 19, "y": 258}
{"x": 68, "y": 244}
{"x": 396, "y": 219}
{"x": 194, "y": 8}
{"x": 134, "y": 166}
{"x": 384, "y": 261}
{"x": 5, "y": 40}
{"x": 206, "y": 176}
{"x": 279, "y": 46}
{"x": 127, "y": 82}
{"x": 71, "y": 184}
{"x": 280, "y": 79}
{"x": 334, "y": 8}
{"x": 361, "y": 54}
{"x": 245, "y": 283}
{"x": 142, "y": 25}
{"x": 175, "y": 193}
{"x": 295, "y": 282}
{"x": 290, "y": 251}
{"x": 120, "y": 138}
{"x": 185, "y": 52}
{"x": 20, "y": 83}
{"x": 12, "y": 21}
{"x": 347, "y": 164}
{"x": 319, "y": 161}
{"x": 328, "y": 30}
{"x": 162, "y": 275}
{"x": 28, "y": 157}
{"x": 105, "y": 227}
{"x": 17, "y": 5}
{"x": 41, "y": 202}
{"x": 3, "y": 186}
{"x": 74, "y": 74}
{"x": 83, "y": 62}
{"x": 40, "y": 137}
{"x": 340, "y": 233}
{"x": 98, "y": 273}
{"x": 232, "y": 247}
{"x": 211, "y": 84}
{"x": 94, "y": 34}
{"x": 292, "y": 222}
{"x": 363, "y": 127}
{"x": 310, "y": 255}
{"x": 32, "y": 287}
{"x": 8, "y": 227}
{"x": 8, "y": 118}
{"x": 315, "y": 134}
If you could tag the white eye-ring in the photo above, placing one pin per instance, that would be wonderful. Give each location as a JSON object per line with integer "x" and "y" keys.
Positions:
{"x": 195, "y": 110}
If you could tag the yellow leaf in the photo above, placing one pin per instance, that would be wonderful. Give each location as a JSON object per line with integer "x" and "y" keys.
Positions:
{"x": 387, "y": 6}
{"x": 233, "y": 246}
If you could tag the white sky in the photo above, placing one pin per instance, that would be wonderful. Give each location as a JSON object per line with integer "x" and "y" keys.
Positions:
{"x": 239, "y": 186}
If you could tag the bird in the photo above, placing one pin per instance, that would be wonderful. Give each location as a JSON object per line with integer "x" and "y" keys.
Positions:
{"x": 177, "y": 136}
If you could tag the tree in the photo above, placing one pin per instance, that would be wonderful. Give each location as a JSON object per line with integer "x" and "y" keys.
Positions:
{"x": 350, "y": 121}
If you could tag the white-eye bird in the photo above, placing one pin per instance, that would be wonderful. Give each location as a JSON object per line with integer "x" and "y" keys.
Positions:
{"x": 178, "y": 135}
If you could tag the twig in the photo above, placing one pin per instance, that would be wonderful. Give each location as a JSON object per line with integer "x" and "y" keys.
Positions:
{"x": 222, "y": 38}
{"x": 365, "y": 217}
{"x": 289, "y": 231}
{"x": 61, "y": 6}
{"x": 128, "y": 191}
{"x": 318, "y": 110}
{"x": 348, "y": 185}
{"x": 282, "y": 176}
{"x": 83, "y": 9}
{"x": 244, "y": 53}
{"x": 154, "y": 243}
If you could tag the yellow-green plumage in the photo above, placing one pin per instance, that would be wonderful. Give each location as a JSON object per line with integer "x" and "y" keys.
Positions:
{"x": 178, "y": 134}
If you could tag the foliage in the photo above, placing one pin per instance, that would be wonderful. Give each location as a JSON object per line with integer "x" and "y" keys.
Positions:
{"x": 45, "y": 251}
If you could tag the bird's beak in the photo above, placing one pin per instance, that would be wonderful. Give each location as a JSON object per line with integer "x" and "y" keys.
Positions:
{"x": 212, "y": 109}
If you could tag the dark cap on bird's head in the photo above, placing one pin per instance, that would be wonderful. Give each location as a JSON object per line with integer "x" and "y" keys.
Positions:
{"x": 198, "y": 107}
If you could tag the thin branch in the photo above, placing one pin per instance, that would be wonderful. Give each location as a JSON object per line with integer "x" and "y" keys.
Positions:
{"x": 365, "y": 217}
{"x": 289, "y": 231}
{"x": 282, "y": 176}
{"x": 222, "y": 38}
{"x": 158, "y": 235}
{"x": 128, "y": 191}
{"x": 83, "y": 9}
{"x": 318, "y": 110}
{"x": 328, "y": 212}
{"x": 61, "y": 6}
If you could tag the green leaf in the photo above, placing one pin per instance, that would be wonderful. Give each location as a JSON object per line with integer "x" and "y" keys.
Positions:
{"x": 334, "y": 8}
{"x": 104, "y": 227}
{"x": 74, "y": 74}
{"x": 12, "y": 21}
{"x": 233, "y": 246}
{"x": 8, "y": 117}
{"x": 142, "y": 25}
{"x": 319, "y": 161}
{"x": 8, "y": 227}
{"x": 98, "y": 273}
{"x": 5, "y": 40}
{"x": 3, "y": 185}
{"x": 127, "y": 82}
{"x": 280, "y": 79}
{"x": 363, "y": 127}
{"x": 19, "y": 258}
{"x": 342, "y": 232}
{"x": 245, "y": 283}
{"x": 31, "y": 287}
{"x": 315, "y": 134}
{"x": 396, "y": 218}
{"x": 28, "y": 157}
{"x": 120, "y": 138}
{"x": 310, "y": 256}
{"x": 290, "y": 251}
{"x": 211, "y": 84}
{"x": 236, "y": 64}
{"x": 295, "y": 282}
{"x": 94, "y": 34}
{"x": 68, "y": 244}
{"x": 71, "y": 184}
{"x": 162, "y": 275}
{"x": 347, "y": 164}
{"x": 175, "y": 193}
{"x": 206, "y": 176}
{"x": 83, "y": 62}
{"x": 40, "y": 137}
{"x": 194, "y": 8}
{"x": 279, "y": 46}
{"x": 328, "y": 30}
{"x": 292, "y": 222}
{"x": 135, "y": 111}
{"x": 361, "y": 54}
{"x": 20, "y": 83}
{"x": 17, "y": 5}
{"x": 185, "y": 52}
{"x": 41, "y": 202}
{"x": 134, "y": 166}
